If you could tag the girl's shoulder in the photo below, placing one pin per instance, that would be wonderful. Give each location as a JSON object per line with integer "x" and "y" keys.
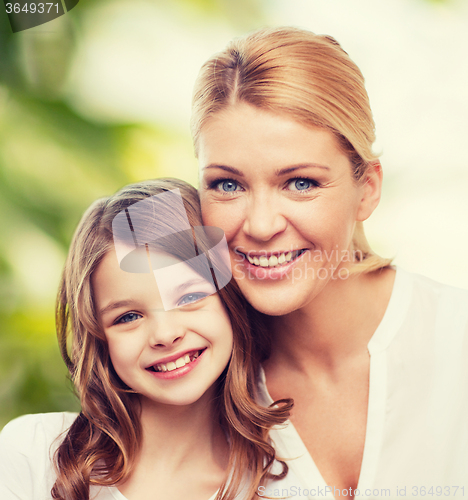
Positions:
{"x": 27, "y": 445}
{"x": 40, "y": 428}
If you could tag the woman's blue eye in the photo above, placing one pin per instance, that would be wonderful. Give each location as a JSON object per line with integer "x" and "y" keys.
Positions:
{"x": 228, "y": 186}
{"x": 128, "y": 318}
{"x": 301, "y": 184}
{"x": 191, "y": 297}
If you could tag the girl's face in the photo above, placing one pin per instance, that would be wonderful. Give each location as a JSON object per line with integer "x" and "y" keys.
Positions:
{"x": 285, "y": 197}
{"x": 169, "y": 343}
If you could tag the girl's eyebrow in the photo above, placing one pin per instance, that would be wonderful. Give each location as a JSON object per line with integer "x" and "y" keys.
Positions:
{"x": 115, "y": 305}
{"x": 196, "y": 281}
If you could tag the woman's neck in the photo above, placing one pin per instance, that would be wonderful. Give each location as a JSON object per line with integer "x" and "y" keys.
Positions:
{"x": 334, "y": 327}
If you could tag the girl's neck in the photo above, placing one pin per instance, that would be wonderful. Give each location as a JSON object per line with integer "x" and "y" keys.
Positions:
{"x": 334, "y": 327}
{"x": 183, "y": 453}
{"x": 172, "y": 435}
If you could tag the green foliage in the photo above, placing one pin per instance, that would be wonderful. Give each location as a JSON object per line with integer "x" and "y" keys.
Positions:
{"x": 53, "y": 164}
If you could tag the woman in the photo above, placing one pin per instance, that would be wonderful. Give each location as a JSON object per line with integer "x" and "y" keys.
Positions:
{"x": 371, "y": 355}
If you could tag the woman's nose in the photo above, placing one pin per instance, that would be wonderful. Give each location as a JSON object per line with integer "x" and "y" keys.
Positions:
{"x": 264, "y": 219}
{"x": 167, "y": 329}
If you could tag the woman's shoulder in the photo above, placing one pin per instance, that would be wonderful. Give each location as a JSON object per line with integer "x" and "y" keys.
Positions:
{"x": 423, "y": 308}
{"x": 430, "y": 293}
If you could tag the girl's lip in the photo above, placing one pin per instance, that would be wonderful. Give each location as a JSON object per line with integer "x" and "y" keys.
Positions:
{"x": 178, "y": 372}
{"x": 176, "y": 356}
{"x": 270, "y": 273}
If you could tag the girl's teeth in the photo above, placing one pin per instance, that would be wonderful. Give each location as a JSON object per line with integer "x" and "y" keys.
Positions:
{"x": 178, "y": 363}
{"x": 274, "y": 260}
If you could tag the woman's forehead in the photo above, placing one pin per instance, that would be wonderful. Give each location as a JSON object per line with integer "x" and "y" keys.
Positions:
{"x": 244, "y": 137}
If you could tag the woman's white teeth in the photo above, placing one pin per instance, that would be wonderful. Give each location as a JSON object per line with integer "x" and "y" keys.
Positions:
{"x": 274, "y": 260}
{"x": 178, "y": 363}
{"x": 263, "y": 261}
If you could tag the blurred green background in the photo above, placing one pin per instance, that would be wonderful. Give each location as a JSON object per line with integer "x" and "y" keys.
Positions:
{"x": 56, "y": 159}
{"x": 101, "y": 97}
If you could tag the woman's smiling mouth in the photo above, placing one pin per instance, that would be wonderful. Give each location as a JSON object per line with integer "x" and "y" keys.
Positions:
{"x": 272, "y": 260}
{"x": 269, "y": 266}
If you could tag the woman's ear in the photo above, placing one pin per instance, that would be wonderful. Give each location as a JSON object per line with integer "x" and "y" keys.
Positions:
{"x": 372, "y": 189}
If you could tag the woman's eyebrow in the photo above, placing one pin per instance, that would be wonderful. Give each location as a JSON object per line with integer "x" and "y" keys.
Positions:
{"x": 293, "y": 168}
{"x": 279, "y": 172}
{"x": 231, "y": 170}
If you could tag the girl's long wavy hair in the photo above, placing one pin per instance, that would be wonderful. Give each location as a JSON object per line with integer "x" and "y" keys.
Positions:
{"x": 306, "y": 76}
{"x": 101, "y": 446}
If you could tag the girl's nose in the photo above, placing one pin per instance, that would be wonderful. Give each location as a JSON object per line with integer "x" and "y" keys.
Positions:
{"x": 167, "y": 329}
{"x": 264, "y": 219}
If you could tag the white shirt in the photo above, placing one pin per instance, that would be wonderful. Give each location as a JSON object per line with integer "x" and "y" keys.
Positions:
{"x": 28, "y": 443}
{"x": 416, "y": 442}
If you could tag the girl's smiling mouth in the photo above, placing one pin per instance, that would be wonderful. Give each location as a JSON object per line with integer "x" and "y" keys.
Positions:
{"x": 176, "y": 366}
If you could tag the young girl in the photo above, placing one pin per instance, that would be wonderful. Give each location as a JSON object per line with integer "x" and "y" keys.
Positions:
{"x": 165, "y": 368}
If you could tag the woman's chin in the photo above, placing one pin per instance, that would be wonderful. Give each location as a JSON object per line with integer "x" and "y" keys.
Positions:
{"x": 273, "y": 301}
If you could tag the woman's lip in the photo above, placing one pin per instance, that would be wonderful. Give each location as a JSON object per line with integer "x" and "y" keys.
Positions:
{"x": 178, "y": 372}
{"x": 270, "y": 273}
{"x": 262, "y": 253}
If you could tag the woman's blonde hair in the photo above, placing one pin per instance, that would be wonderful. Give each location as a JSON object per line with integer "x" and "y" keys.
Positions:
{"x": 303, "y": 75}
{"x": 102, "y": 443}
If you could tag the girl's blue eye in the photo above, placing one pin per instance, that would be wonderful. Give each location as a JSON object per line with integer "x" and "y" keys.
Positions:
{"x": 191, "y": 297}
{"x": 228, "y": 186}
{"x": 128, "y": 318}
{"x": 301, "y": 184}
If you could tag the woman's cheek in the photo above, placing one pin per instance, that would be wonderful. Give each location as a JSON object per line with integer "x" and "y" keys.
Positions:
{"x": 223, "y": 215}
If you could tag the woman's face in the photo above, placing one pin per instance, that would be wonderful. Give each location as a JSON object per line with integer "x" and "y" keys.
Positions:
{"x": 284, "y": 194}
{"x": 169, "y": 341}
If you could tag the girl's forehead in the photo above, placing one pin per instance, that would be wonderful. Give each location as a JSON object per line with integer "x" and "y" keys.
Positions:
{"x": 164, "y": 285}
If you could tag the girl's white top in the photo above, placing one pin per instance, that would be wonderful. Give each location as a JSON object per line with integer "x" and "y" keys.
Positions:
{"x": 416, "y": 442}
{"x": 27, "y": 445}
